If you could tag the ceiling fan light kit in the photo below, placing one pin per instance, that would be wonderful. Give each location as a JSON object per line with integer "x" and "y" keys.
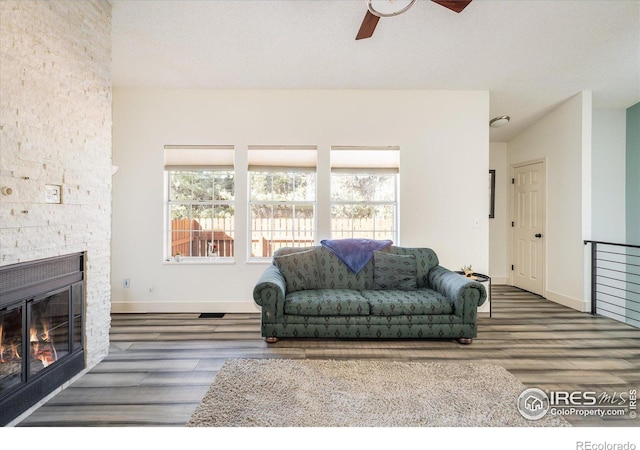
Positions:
{"x": 499, "y": 121}
{"x": 389, "y": 8}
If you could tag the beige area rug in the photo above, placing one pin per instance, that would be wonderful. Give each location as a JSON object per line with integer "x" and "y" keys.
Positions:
{"x": 362, "y": 393}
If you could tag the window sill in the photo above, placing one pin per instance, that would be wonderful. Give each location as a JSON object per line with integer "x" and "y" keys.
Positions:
{"x": 266, "y": 261}
{"x": 200, "y": 262}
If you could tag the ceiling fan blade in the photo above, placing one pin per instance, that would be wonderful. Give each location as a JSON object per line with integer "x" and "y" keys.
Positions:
{"x": 368, "y": 26}
{"x": 453, "y": 5}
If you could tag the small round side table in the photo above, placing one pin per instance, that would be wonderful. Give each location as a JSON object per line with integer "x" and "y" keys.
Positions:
{"x": 481, "y": 278}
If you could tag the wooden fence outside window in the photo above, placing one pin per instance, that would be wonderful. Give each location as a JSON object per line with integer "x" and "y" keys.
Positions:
{"x": 190, "y": 237}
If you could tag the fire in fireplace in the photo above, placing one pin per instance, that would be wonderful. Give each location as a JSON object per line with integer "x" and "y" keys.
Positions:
{"x": 41, "y": 336}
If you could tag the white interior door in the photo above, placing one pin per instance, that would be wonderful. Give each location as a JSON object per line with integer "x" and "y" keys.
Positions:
{"x": 529, "y": 227}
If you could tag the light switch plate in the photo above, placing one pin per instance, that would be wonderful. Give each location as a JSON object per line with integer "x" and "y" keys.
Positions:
{"x": 53, "y": 193}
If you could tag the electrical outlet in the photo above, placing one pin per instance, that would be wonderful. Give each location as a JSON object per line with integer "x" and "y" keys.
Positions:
{"x": 126, "y": 283}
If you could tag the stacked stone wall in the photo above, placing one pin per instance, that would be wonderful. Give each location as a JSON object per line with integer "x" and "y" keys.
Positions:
{"x": 55, "y": 131}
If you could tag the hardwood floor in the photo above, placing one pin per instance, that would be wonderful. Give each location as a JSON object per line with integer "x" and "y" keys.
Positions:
{"x": 161, "y": 365}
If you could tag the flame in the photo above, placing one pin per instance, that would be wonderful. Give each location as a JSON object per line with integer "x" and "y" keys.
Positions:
{"x": 46, "y": 357}
{"x": 42, "y": 347}
{"x": 45, "y": 331}
{"x": 47, "y": 353}
{"x": 12, "y": 348}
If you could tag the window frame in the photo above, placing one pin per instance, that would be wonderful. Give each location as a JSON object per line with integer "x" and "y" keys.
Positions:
{"x": 395, "y": 203}
{"x": 168, "y": 203}
{"x": 290, "y": 171}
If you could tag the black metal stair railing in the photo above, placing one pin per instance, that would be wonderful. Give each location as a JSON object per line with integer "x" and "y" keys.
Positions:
{"x": 615, "y": 281}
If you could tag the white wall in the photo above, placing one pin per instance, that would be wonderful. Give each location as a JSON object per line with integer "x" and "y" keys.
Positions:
{"x": 609, "y": 191}
{"x": 498, "y": 254}
{"x": 632, "y": 167}
{"x": 609, "y": 176}
{"x": 444, "y": 143}
{"x": 563, "y": 139}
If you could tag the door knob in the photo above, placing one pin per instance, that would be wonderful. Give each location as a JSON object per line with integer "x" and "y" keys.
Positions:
{"x": 538, "y": 235}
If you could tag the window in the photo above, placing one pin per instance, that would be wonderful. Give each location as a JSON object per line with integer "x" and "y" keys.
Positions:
{"x": 282, "y": 198}
{"x": 200, "y": 202}
{"x": 364, "y": 192}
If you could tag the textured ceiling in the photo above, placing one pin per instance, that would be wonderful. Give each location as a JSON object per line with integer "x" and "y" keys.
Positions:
{"x": 531, "y": 55}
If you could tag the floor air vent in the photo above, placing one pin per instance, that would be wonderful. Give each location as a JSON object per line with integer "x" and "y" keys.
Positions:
{"x": 212, "y": 315}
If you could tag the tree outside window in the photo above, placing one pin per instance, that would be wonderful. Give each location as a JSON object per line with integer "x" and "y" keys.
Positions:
{"x": 364, "y": 205}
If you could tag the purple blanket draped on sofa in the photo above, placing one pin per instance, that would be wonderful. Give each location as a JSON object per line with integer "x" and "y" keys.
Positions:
{"x": 355, "y": 253}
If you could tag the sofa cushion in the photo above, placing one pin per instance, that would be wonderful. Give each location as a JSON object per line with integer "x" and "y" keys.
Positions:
{"x": 299, "y": 270}
{"x": 391, "y": 271}
{"x": 326, "y": 302}
{"x": 396, "y": 303}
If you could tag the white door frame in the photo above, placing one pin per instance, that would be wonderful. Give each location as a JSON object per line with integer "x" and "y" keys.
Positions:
{"x": 511, "y": 206}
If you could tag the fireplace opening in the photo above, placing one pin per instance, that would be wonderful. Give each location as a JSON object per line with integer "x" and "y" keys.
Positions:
{"x": 41, "y": 330}
{"x": 10, "y": 348}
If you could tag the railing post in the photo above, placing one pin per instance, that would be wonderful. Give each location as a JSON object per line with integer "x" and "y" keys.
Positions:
{"x": 593, "y": 277}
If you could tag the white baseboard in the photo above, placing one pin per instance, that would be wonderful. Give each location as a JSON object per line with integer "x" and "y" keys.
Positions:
{"x": 184, "y": 307}
{"x": 570, "y": 302}
{"x": 499, "y": 280}
{"x": 251, "y": 307}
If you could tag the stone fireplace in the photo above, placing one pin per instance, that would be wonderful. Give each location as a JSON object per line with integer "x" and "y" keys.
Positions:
{"x": 55, "y": 115}
{"x": 41, "y": 330}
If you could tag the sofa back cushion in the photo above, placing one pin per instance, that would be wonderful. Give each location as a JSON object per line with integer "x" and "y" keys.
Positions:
{"x": 391, "y": 271}
{"x": 332, "y": 273}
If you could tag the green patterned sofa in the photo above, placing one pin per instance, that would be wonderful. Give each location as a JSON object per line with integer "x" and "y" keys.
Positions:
{"x": 401, "y": 293}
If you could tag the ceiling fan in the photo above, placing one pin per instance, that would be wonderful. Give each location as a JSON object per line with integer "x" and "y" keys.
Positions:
{"x": 390, "y": 8}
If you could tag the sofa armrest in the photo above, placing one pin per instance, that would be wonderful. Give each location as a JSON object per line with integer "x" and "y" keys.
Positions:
{"x": 467, "y": 295}
{"x": 269, "y": 293}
